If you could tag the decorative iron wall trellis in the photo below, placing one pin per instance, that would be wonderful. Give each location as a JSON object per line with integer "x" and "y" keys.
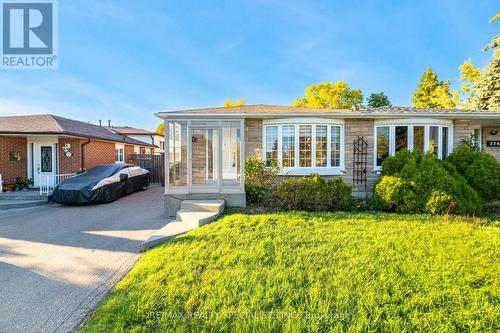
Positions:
{"x": 153, "y": 163}
{"x": 360, "y": 161}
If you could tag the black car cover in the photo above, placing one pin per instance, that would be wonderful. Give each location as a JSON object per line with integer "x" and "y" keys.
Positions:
{"x": 104, "y": 183}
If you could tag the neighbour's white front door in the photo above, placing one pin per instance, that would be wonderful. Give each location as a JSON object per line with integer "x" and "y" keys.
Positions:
{"x": 44, "y": 161}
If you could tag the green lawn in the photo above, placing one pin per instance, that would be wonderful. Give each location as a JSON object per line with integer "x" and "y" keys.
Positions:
{"x": 299, "y": 272}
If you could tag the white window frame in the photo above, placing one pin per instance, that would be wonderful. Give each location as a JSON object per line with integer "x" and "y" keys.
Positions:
{"x": 297, "y": 170}
{"x": 480, "y": 129}
{"x": 411, "y": 123}
{"x": 119, "y": 147}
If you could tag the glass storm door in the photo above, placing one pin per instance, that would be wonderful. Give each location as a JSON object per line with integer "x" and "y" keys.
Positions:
{"x": 205, "y": 157}
{"x": 43, "y": 162}
{"x": 231, "y": 155}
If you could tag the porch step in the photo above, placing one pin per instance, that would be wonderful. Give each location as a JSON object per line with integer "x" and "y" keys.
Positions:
{"x": 15, "y": 204}
{"x": 193, "y": 214}
{"x": 203, "y": 205}
{"x": 196, "y": 218}
{"x": 168, "y": 232}
{"x": 20, "y": 195}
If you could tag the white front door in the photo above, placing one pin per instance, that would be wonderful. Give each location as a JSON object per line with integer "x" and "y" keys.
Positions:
{"x": 44, "y": 161}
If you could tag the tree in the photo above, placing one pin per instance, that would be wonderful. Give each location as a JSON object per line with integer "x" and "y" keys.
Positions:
{"x": 432, "y": 93}
{"x": 329, "y": 95}
{"x": 228, "y": 102}
{"x": 377, "y": 100}
{"x": 469, "y": 76}
{"x": 160, "y": 130}
{"x": 488, "y": 85}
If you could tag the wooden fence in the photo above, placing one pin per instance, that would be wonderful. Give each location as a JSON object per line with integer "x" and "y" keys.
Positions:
{"x": 153, "y": 163}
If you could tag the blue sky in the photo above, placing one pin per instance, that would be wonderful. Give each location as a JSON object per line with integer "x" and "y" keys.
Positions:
{"x": 124, "y": 60}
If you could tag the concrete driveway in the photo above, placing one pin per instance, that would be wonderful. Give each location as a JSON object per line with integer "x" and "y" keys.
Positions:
{"x": 58, "y": 262}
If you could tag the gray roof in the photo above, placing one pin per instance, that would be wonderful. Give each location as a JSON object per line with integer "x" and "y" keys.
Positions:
{"x": 280, "y": 110}
{"x": 127, "y": 130}
{"x": 411, "y": 110}
{"x": 51, "y": 124}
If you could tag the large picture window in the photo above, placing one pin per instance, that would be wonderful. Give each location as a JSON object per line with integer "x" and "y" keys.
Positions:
{"x": 304, "y": 147}
{"x": 391, "y": 138}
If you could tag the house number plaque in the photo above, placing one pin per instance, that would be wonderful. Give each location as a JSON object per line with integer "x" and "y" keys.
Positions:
{"x": 493, "y": 143}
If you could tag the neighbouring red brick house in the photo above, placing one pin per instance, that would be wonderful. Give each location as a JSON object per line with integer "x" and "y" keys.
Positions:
{"x": 35, "y": 145}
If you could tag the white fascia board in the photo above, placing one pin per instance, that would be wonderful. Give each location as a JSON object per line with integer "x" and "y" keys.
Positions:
{"x": 462, "y": 115}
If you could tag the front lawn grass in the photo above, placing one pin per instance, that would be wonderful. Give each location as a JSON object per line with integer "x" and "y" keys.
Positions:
{"x": 305, "y": 272}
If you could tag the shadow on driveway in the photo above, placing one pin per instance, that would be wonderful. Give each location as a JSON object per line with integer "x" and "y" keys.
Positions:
{"x": 57, "y": 262}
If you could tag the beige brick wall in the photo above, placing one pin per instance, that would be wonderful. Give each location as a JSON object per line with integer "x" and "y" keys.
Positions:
{"x": 463, "y": 129}
{"x": 354, "y": 128}
{"x": 253, "y": 138}
{"x": 12, "y": 169}
{"x": 487, "y": 136}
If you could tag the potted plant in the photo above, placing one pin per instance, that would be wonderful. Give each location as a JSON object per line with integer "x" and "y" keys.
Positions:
{"x": 23, "y": 183}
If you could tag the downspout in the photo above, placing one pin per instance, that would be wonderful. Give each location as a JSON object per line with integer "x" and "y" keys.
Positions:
{"x": 83, "y": 154}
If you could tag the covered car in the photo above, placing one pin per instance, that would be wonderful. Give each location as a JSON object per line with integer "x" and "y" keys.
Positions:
{"x": 104, "y": 183}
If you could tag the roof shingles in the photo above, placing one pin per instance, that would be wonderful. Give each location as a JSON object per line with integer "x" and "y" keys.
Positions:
{"x": 279, "y": 109}
{"x": 50, "y": 124}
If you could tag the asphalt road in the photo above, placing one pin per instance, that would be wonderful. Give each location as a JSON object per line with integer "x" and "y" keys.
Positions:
{"x": 58, "y": 262}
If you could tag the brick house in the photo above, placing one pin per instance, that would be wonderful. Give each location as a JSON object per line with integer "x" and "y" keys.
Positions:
{"x": 142, "y": 135}
{"x": 207, "y": 147}
{"x": 36, "y": 145}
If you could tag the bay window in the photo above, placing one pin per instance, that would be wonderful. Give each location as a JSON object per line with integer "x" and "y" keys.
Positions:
{"x": 304, "y": 146}
{"x": 422, "y": 135}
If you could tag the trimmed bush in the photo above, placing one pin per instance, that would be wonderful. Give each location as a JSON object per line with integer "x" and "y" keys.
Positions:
{"x": 416, "y": 183}
{"x": 313, "y": 193}
{"x": 480, "y": 169}
{"x": 259, "y": 179}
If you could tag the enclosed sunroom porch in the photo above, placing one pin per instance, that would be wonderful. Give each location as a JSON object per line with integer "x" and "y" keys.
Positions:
{"x": 204, "y": 160}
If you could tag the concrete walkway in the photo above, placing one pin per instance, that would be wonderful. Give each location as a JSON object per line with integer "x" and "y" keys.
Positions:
{"x": 58, "y": 262}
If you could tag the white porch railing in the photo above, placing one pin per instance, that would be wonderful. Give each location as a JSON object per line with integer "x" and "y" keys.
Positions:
{"x": 49, "y": 182}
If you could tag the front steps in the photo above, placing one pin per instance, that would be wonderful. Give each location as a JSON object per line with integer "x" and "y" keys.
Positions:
{"x": 21, "y": 199}
{"x": 193, "y": 214}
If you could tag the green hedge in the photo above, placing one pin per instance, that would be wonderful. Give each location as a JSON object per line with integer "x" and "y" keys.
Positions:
{"x": 480, "y": 169}
{"x": 416, "y": 183}
{"x": 259, "y": 178}
{"x": 314, "y": 193}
